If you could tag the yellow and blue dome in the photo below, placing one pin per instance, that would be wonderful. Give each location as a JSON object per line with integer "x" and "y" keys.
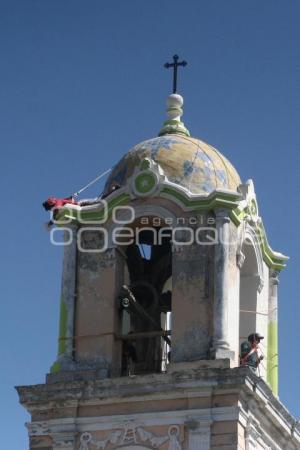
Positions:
{"x": 185, "y": 161}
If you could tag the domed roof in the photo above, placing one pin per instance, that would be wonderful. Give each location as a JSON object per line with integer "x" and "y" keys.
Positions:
{"x": 185, "y": 161}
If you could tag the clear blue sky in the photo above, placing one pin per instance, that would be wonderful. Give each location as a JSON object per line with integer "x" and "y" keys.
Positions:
{"x": 83, "y": 81}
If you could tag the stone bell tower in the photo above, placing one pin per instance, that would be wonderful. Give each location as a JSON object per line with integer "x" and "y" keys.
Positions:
{"x": 163, "y": 278}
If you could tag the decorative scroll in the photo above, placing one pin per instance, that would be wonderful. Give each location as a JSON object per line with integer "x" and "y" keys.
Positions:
{"x": 132, "y": 435}
{"x": 38, "y": 428}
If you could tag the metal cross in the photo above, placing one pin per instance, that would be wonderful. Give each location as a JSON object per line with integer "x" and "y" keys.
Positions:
{"x": 175, "y": 64}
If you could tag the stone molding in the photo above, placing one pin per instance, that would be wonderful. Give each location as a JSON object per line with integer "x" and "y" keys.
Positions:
{"x": 102, "y": 423}
{"x": 258, "y": 430}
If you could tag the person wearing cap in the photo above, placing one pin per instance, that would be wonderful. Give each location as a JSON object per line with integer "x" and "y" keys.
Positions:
{"x": 250, "y": 351}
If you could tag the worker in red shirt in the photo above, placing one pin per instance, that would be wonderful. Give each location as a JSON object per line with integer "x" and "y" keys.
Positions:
{"x": 54, "y": 204}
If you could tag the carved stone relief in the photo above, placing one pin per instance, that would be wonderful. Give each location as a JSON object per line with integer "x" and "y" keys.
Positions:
{"x": 132, "y": 436}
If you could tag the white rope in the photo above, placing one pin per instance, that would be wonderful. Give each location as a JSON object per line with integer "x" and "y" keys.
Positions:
{"x": 254, "y": 312}
{"x": 91, "y": 182}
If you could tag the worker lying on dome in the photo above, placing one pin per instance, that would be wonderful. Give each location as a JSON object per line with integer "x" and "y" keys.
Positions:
{"x": 250, "y": 356}
{"x": 54, "y": 204}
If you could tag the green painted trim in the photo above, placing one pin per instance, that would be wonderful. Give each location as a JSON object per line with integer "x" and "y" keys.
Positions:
{"x": 217, "y": 199}
{"x": 63, "y": 317}
{"x": 174, "y": 131}
{"x": 272, "y": 366}
{"x": 174, "y": 127}
{"x": 226, "y": 200}
{"x": 235, "y": 218}
{"x": 172, "y": 122}
{"x": 148, "y": 177}
{"x": 270, "y": 257}
{"x": 55, "y": 367}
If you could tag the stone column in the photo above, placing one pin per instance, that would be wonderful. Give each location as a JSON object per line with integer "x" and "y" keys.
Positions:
{"x": 98, "y": 320}
{"x": 198, "y": 433}
{"x": 67, "y": 301}
{"x": 191, "y": 305}
{"x": 272, "y": 368}
{"x": 221, "y": 295}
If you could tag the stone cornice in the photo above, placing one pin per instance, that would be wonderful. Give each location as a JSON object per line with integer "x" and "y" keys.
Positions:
{"x": 201, "y": 382}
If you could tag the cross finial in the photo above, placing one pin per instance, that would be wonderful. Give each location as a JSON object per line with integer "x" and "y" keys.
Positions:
{"x": 175, "y": 65}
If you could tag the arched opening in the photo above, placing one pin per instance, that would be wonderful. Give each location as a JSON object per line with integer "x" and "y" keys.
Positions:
{"x": 146, "y": 300}
{"x": 249, "y": 283}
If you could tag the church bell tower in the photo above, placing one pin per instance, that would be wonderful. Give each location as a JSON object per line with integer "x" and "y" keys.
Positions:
{"x": 164, "y": 276}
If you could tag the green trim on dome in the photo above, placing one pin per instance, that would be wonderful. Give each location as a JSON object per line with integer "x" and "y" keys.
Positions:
{"x": 174, "y": 127}
{"x": 145, "y": 182}
{"x": 217, "y": 199}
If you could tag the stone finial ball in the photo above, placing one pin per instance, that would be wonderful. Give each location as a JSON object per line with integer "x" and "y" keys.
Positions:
{"x": 174, "y": 106}
{"x": 174, "y": 101}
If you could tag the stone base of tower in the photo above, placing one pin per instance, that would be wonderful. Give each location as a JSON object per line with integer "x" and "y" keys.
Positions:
{"x": 188, "y": 408}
